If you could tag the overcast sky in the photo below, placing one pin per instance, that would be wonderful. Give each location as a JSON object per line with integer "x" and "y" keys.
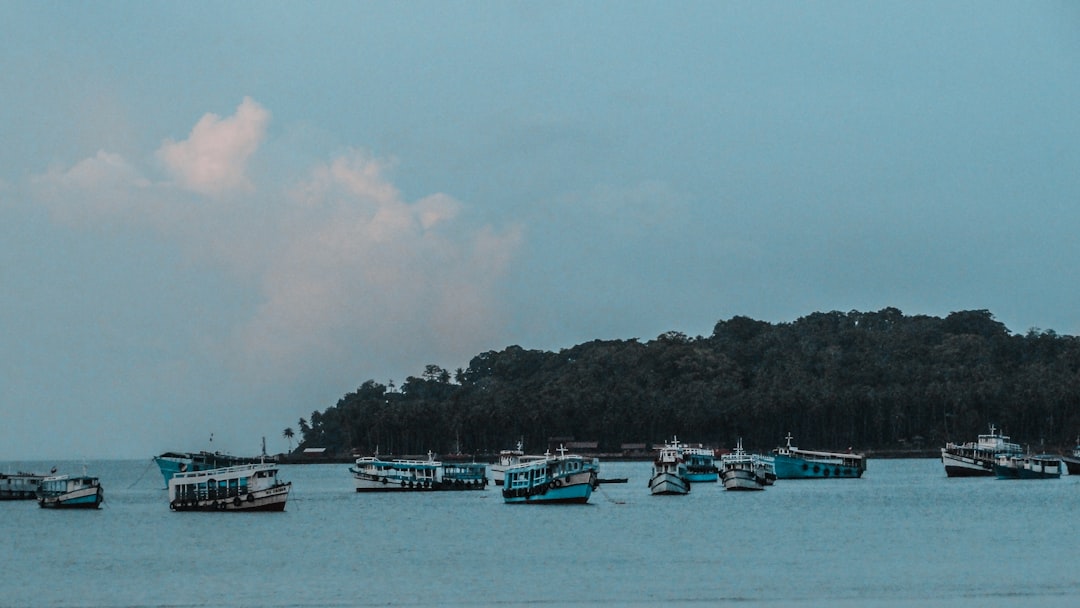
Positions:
{"x": 220, "y": 217}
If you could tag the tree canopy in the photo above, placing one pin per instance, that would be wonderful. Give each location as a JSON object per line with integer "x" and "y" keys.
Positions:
{"x": 872, "y": 380}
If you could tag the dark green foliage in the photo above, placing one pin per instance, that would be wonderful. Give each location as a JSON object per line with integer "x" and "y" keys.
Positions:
{"x": 874, "y": 380}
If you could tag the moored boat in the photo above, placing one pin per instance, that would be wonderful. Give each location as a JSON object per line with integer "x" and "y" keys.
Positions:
{"x": 507, "y": 459}
{"x": 171, "y": 463}
{"x": 700, "y": 465}
{"x": 20, "y": 486}
{"x": 70, "y": 492}
{"x": 565, "y": 478}
{"x": 669, "y": 471}
{"x": 373, "y": 474}
{"x": 1037, "y": 466}
{"x": 463, "y": 476}
{"x": 790, "y": 462}
{"x": 246, "y": 487}
{"x": 978, "y": 458}
{"x": 738, "y": 470}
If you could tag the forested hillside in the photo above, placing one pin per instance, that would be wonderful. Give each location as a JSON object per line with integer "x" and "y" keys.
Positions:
{"x": 869, "y": 380}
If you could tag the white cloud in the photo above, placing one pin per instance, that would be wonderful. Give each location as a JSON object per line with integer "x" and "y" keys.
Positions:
{"x": 104, "y": 186}
{"x": 349, "y": 275}
{"x": 363, "y": 274}
{"x": 213, "y": 159}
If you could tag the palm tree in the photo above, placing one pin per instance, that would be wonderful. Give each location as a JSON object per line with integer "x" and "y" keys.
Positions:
{"x": 288, "y": 434}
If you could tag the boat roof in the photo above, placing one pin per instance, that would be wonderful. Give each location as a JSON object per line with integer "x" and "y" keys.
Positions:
{"x": 240, "y": 470}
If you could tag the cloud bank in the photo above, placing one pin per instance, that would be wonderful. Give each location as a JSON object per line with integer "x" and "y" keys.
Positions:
{"x": 351, "y": 278}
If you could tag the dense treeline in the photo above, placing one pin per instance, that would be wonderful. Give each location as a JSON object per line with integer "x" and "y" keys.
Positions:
{"x": 873, "y": 380}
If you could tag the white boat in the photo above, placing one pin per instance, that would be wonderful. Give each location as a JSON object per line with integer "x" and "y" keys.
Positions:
{"x": 507, "y": 459}
{"x": 669, "y": 470}
{"x": 739, "y": 471}
{"x": 566, "y": 478}
{"x": 373, "y": 474}
{"x": 21, "y": 485}
{"x": 70, "y": 492}
{"x": 247, "y": 487}
{"x": 977, "y": 458}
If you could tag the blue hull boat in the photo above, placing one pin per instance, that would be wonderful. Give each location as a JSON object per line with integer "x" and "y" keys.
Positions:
{"x": 562, "y": 479}
{"x": 790, "y": 462}
{"x": 70, "y": 492}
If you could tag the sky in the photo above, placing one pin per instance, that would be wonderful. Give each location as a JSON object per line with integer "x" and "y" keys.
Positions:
{"x": 217, "y": 218}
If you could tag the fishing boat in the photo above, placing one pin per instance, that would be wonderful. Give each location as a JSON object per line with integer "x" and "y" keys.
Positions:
{"x": 790, "y": 462}
{"x": 669, "y": 471}
{"x": 70, "y": 492}
{"x": 171, "y": 463}
{"x": 507, "y": 459}
{"x": 246, "y": 487}
{"x": 20, "y": 486}
{"x": 463, "y": 476}
{"x": 700, "y": 465}
{"x": 977, "y": 458}
{"x": 765, "y": 467}
{"x": 564, "y": 478}
{"x": 739, "y": 472}
{"x": 373, "y": 474}
{"x": 1040, "y": 466}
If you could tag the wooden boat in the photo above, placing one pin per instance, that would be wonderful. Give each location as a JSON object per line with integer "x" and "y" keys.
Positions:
{"x": 790, "y": 462}
{"x": 669, "y": 471}
{"x": 70, "y": 492}
{"x": 700, "y": 465}
{"x": 977, "y": 458}
{"x": 248, "y": 487}
{"x": 20, "y": 486}
{"x": 1036, "y": 466}
{"x": 565, "y": 478}
{"x": 738, "y": 471}
{"x": 373, "y": 474}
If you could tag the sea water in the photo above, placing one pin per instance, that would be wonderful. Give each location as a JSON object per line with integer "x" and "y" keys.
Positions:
{"x": 903, "y": 535}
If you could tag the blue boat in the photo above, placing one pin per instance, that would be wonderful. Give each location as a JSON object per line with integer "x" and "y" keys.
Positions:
{"x": 1041, "y": 466}
{"x": 701, "y": 465}
{"x": 790, "y": 462}
{"x": 70, "y": 492}
{"x": 565, "y": 478}
{"x": 463, "y": 476}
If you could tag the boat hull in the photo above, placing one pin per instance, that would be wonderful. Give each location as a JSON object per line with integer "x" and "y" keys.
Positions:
{"x": 1072, "y": 463}
{"x": 741, "y": 480}
{"x": 966, "y": 466}
{"x": 84, "y": 498}
{"x": 386, "y": 484}
{"x": 787, "y": 467}
{"x": 668, "y": 483}
{"x": 575, "y": 493}
{"x": 710, "y": 477}
{"x": 269, "y": 499}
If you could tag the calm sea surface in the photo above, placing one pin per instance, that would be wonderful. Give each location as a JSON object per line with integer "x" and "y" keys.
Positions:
{"x": 904, "y": 535}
